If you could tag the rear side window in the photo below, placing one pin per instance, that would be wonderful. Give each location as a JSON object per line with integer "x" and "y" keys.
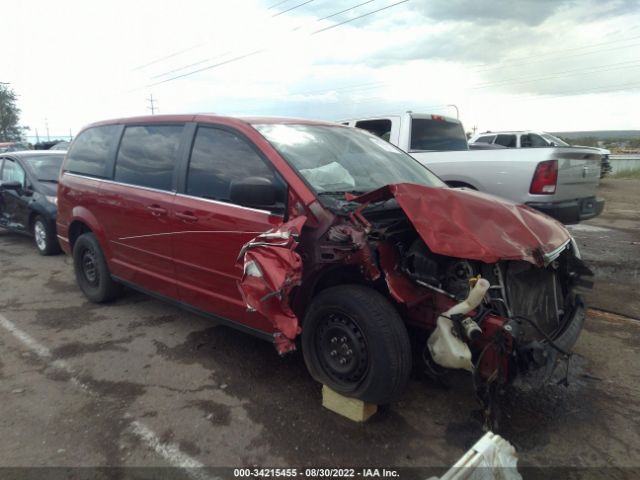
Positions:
{"x": 508, "y": 141}
{"x": 218, "y": 157}
{"x": 90, "y": 152}
{"x": 148, "y": 155}
{"x": 437, "y": 135}
{"x": 380, "y": 128}
{"x": 485, "y": 139}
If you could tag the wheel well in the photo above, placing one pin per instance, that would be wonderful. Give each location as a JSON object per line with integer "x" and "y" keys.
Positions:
{"x": 32, "y": 219}
{"x": 76, "y": 229}
{"x": 458, "y": 184}
{"x": 330, "y": 277}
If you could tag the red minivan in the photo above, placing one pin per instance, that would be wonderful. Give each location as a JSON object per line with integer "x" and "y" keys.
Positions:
{"x": 324, "y": 237}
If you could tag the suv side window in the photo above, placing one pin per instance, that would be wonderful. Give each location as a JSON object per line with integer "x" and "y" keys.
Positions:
{"x": 485, "y": 139}
{"x": 148, "y": 155}
{"x": 90, "y": 152}
{"x": 217, "y": 158}
{"x": 12, "y": 172}
{"x": 506, "y": 140}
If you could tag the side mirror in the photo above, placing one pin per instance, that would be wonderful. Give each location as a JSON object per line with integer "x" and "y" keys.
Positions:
{"x": 16, "y": 186}
{"x": 254, "y": 192}
{"x": 553, "y": 144}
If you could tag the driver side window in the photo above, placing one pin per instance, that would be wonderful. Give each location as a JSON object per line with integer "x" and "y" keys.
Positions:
{"x": 12, "y": 172}
{"x": 218, "y": 157}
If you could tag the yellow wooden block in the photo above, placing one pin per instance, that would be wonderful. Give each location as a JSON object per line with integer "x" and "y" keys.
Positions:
{"x": 352, "y": 408}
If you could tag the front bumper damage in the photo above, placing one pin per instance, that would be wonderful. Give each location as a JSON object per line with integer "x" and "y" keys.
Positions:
{"x": 486, "y": 334}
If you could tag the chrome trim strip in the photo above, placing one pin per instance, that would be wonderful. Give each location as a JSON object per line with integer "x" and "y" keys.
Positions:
{"x": 184, "y": 232}
{"x": 218, "y": 202}
{"x": 551, "y": 256}
{"x": 113, "y": 182}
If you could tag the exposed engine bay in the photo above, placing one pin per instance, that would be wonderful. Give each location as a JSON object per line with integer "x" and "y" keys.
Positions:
{"x": 508, "y": 308}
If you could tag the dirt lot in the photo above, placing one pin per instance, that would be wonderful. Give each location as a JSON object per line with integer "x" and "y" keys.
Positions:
{"x": 140, "y": 383}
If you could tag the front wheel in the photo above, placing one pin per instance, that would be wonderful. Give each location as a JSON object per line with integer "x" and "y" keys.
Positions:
{"x": 92, "y": 272}
{"x": 44, "y": 235}
{"x": 354, "y": 341}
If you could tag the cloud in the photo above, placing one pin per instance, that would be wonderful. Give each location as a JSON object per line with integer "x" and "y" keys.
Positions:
{"x": 528, "y": 12}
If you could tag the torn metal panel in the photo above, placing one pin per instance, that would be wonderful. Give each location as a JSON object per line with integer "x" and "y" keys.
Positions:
{"x": 271, "y": 268}
{"x": 358, "y": 251}
{"x": 473, "y": 225}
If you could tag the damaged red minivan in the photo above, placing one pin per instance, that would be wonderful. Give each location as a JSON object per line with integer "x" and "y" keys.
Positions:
{"x": 323, "y": 237}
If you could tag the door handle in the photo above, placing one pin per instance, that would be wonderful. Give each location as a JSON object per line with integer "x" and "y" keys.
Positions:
{"x": 156, "y": 210}
{"x": 187, "y": 217}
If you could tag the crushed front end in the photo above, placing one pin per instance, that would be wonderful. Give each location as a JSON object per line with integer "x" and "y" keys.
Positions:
{"x": 498, "y": 313}
{"x": 494, "y": 285}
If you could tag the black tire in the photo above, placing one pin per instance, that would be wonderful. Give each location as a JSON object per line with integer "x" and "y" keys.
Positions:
{"x": 377, "y": 356}
{"x": 44, "y": 236}
{"x": 92, "y": 272}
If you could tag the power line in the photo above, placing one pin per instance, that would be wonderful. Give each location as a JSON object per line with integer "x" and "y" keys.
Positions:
{"x": 171, "y": 55}
{"x": 209, "y": 67}
{"x": 191, "y": 65}
{"x": 344, "y": 11}
{"x": 566, "y": 73}
{"x": 276, "y": 4}
{"x": 292, "y": 8}
{"x": 537, "y": 57}
{"x": 193, "y": 47}
{"x": 255, "y": 52}
{"x": 218, "y": 56}
{"x": 358, "y": 17}
{"x": 558, "y": 74}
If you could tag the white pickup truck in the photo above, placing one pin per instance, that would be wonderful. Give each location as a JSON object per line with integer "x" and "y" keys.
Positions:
{"x": 559, "y": 181}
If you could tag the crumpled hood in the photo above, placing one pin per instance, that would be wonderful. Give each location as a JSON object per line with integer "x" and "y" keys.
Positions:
{"x": 473, "y": 225}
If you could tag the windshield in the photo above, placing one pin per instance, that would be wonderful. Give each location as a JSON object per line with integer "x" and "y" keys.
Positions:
{"x": 336, "y": 160}
{"x": 550, "y": 138}
{"x": 46, "y": 168}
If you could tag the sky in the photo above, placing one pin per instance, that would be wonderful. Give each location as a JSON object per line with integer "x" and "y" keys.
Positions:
{"x": 552, "y": 65}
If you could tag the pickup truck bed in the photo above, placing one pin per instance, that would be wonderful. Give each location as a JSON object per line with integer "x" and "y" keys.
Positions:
{"x": 440, "y": 144}
{"x": 509, "y": 173}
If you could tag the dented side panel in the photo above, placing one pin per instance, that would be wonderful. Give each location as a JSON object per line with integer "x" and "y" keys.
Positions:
{"x": 271, "y": 269}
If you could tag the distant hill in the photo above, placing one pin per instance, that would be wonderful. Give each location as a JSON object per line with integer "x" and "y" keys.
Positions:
{"x": 605, "y": 135}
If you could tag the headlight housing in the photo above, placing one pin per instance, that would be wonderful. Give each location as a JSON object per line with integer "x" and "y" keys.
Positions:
{"x": 52, "y": 199}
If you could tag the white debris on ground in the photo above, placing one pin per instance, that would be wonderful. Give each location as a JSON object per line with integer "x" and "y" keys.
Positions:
{"x": 492, "y": 457}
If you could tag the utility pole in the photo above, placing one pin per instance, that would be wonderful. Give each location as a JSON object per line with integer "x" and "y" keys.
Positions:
{"x": 46, "y": 124}
{"x": 152, "y": 104}
{"x": 475, "y": 127}
{"x": 37, "y": 136}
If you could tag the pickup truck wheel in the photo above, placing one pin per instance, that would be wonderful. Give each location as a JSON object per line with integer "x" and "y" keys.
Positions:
{"x": 44, "y": 235}
{"x": 355, "y": 342}
{"x": 92, "y": 273}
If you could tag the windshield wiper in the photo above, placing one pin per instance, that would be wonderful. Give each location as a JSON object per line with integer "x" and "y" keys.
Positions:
{"x": 47, "y": 180}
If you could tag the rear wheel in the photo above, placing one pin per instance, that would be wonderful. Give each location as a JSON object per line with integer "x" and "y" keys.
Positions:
{"x": 355, "y": 342}
{"x": 92, "y": 273}
{"x": 44, "y": 234}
